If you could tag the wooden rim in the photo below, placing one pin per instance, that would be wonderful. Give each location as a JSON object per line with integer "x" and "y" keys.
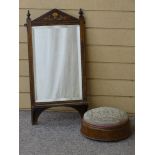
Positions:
{"x": 106, "y": 134}
{"x": 118, "y": 125}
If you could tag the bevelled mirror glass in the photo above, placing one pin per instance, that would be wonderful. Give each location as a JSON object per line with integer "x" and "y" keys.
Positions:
{"x": 56, "y": 50}
{"x": 57, "y": 63}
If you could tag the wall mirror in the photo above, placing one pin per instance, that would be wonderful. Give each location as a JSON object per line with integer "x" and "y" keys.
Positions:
{"x": 56, "y": 49}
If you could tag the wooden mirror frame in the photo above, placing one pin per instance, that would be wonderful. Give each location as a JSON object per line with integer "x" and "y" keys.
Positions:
{"x": 56, "y": 17}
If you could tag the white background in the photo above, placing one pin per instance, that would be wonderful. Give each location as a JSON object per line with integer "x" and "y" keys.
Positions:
{"x": 145, "y": 77}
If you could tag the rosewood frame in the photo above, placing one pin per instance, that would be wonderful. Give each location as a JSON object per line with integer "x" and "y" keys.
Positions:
{"x": 56, "y": 17}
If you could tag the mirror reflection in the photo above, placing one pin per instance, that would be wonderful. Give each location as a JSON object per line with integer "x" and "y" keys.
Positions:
{"x": 57, "y": 63}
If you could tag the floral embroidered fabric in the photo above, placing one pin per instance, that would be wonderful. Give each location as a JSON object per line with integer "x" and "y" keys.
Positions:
{"x": 105, "y": 116}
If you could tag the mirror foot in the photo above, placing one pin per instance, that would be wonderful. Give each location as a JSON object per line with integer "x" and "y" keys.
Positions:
{"x": 35, "y": 113}
{"x": 81, "y": 109}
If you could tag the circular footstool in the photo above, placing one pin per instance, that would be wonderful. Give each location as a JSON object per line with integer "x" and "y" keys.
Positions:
{"x": 105, "y": 124}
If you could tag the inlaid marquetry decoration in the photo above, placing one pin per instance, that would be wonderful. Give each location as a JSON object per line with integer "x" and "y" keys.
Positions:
{"x": 55, "y": 16}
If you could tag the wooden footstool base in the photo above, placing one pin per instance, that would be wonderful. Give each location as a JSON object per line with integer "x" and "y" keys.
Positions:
{"x": 105, "y": 124}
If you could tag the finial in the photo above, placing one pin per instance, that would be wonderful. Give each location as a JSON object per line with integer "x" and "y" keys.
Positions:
{"x": 28, "y": 14}
{"x": 80, "y": 12}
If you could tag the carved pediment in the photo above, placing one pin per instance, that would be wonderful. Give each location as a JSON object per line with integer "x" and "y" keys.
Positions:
{"x": 55, "y": 16}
